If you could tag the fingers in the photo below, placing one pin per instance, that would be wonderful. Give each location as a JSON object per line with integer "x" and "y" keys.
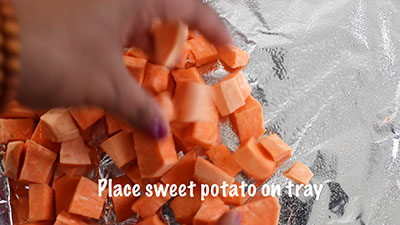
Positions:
{"x": 231, "y": 218}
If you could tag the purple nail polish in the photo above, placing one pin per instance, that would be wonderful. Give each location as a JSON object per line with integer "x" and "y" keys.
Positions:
{"x": 157, "y": 129}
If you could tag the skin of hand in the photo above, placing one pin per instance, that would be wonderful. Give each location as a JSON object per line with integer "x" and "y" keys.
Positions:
{"x": 231, "y": 218}
{"x": 72, "y": 52}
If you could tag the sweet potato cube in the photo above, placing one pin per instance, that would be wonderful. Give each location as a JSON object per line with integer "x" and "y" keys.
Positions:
{"x": 234, "y": 200}
{"x": 15, "y": 110}
{"x": 41, "y": 201}
{"x": 202, "y": 50}
{"x": 185, "y": 207}
{"x": 299, "y": 173}
{"x": 122, "y": 204}
{"x": 148, "y": 206}
{"x": 164, "y": 100}
{"x": 264, "y": 211}
{"x": 75, "y": 170}
{"x": 86, "y": 116}
{"x": 44, "y": 136}
{"x": 210, "y": 212}
{"x": 233, "y": 56}
{"x": 248, "y": 120}
{"x": 276, "y": 148}
{"x": 133, "y": 172}
{"x": 223, "y": 158}
{"x": 228, "y": 96}
{"x": 74, "y": 152}
{"x": 182, "y": 171}
{"x": 136, "y": 67}
{"x": 154, "y": 220}
{"x": 120, "y": 148}
{"x": 38, "y": 163}
{"x": 206, "y": 173}
{"x": 64, "y": 188}
{"x": 65, "y": 218}
{"x": 15, "y": 129}
{"x": 14, "y": 159}
{"x": 154, "y": 157}
{"x": 86, "y": 201}
{"x": 60, "y": 124}
{"x": 155, "y": 78}
{"x": 113, "y": 126}
{"x": 187, "y": 75}
{"x": 137, "y": 52}
{"x": 203, "y": 134}
{"x": 244, "y": 86}
{"x": 179, "y": 131}
{"x": 254, "y": 162}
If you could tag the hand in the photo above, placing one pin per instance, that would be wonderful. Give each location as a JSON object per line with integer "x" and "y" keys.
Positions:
{"x": 71, "y": 52}
{"x": 231, "y": 218}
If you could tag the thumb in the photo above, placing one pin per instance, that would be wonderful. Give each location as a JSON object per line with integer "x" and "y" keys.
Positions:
{"x": 231, "y": 218}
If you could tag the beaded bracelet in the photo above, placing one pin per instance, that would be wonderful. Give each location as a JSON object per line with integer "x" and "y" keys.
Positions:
{"x": 9, "y": 55}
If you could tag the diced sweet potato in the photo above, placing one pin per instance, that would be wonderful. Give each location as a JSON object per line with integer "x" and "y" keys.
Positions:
{"x": 234, "y": 200}
{"x": 15, "y": 129}
{"x": 148, "y": 206}
{"x": 203, "y": 134}
{"x": 113, "y": 125}
{"x": 169, "y": 39}
{"x": 41, "y": 201}
{"x": 19, "y": 198}
{"x": 194, "y": 103}
{"x": 264, "y": 211}
{"x": 187, "y": 75}
{"x": 181, "y": 63}
{"x": 156, "y": 78}
{"x": 120, "y": 148}
{"x": 74, "y": 152}
{"x": 179, "y": 131}
{"x": 64, "y": 188}
{"x": 223, "y": 158}
{"x": 185, "y": 207}
{"x": 208, "y": 67}
{"x": 86, "y": 201}
{"x": 38, "y": 163}
{"x": 248, "y": 120}
{"x": 14, "y": 159}
{"x": 86, "y": 116}
{"x": 164, "y": 100}
{"x": 154, "y": 157}
{"x": 15, "y": 110}
{"x": 202, "y": 50}
{"x": 228, "y": 96}
{"x": 154, "y": 220}
{"x": 136, "y": 67}
{"x": 137, "y": 52}
{"x": 182, "y": 172}
{"x": 122, "y": 204}
{"x": 276, "y": 148}
{"x": 61, "y": 124}
{"x": 244, "y": 86}
{"x": 132, "y": 171}
{"x": 43, "y": 136}
{"x": 75, "y": 170}
{"x": 299, "y": 173}
{"x": 210, "y": 212}
{"x": 254, "y": 162}
{"x": 233, "y": 56}
{"x": 205, "y": 172}
{"x": 65, "y": 218}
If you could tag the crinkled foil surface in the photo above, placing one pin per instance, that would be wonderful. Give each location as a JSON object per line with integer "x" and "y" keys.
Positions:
{"x": 328, "y": 76}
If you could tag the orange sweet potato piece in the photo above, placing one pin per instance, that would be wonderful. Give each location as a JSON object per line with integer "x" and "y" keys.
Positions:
{"x": 113, "y": 126}
{"x": 120, "y": 148}
{"x": 86, "y": 201}
{"x": 234, "y": 200}
{"x": 254, "y": 162}
{"x": 65, "y": 218}
{"x": 206, "y": 173}
{"x": 169, "y": 39}
{"x": 194, "y": 103}
{"x": 137, "y": 52}
{"x": 74, "y": 152}
{"x": 179, "y": 131}
{"x": 136, "y": 67}
{"x": 193, "y": 34}
{"x": 154, "y": 220}
{"x": 187, "y": 75}
{"x": 261, "y": 212}
{"x": 148, "y": 206}
{"x": 208, "y": 67}
{"x": 14, "y": 159}
{"x": 15, "y": 110}
{"x": 181, "y": 63}
{"x": 203, "y": 134}
{"x": 228, "y": 96}
{"x": 41, "y": 201}
{"x": 15, "y": 129}
{"x": 38, "y": 163}
{"x": 154, "y": 157}
{"x": 233, "y": 56}
{"x": 182, "y": 172}
{"x": 202, "y": 50}
{"x": 164, "y": 100}
{"x": 186, "y": 207}
{"x": 122, "y": 204}
{"x": 248, "y": 120}
{"x": 86, "y": 116}
{"x": 75, "y": 170}
{"x": 43, "y": 136}
{"x": 244, "y": 86}
{"x": 156, "y": 78}
{"x": 210, "y": 212}
{"x": 19, "y": 198}
{"x": 132, "y": 171}
{"x": 223, "y": 158}
{"x": 299, "y": 173}
{"x": 64, "y": 188}
{"x": 61, "y": 124}
{"x": 276, "y": 148}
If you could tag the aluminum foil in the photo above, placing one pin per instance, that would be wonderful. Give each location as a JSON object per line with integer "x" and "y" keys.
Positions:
{"x": 327, "y": 75}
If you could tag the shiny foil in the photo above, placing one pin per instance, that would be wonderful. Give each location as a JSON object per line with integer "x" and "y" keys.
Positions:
{"x": 328, "y": 76}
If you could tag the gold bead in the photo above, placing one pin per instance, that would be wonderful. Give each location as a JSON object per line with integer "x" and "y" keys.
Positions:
{"x": 10, "y": 28}
{"x": 13, "y": 46}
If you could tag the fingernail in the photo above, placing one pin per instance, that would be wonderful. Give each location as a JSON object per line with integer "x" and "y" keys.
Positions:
{"x": 157, "y": 129}
{"x": 238, "y": 218}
